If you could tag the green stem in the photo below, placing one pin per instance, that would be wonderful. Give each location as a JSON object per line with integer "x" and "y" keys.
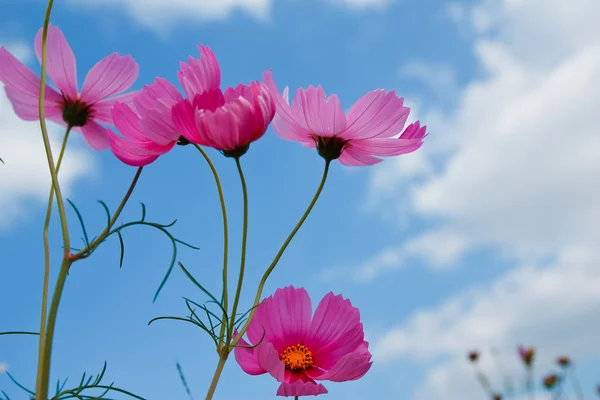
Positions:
{"x": 576, "y": 384}
{"x": 86, "y": 252}
{"x": 238, "y": 291}
{"x": 47, "y": 255}
{"x": 225, "y": 239}
{"x": 44, "y": 375}
{"x": 216, "y": 377}
{"x": 296, "y": 397}
{"x": 279, "y": 254}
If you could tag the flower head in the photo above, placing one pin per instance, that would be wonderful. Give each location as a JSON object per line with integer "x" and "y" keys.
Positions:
{"x": 3, "y": 368}
{"x": 84, "y": 110}
{"x": 563, "y": 361}
{"x": 162, "y": 117}
{"x": 527, "y": 354}
{"x": 497, "y": 397}
{"x": 550, "y": 381}
{"x": 357, "y": 138}
{"x": 473, "y": 356}
{"x": 298, "y": 348}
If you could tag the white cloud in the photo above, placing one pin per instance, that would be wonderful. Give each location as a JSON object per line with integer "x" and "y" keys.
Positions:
{"x": 160, "y": 14}
{"x": 440, "y": 78}
{"x": 514, "y": 167}
{"x": 551, "y": 306}
{"x": 24, "y": 175}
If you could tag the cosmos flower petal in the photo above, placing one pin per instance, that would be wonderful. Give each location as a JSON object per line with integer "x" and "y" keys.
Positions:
{"x": 288, "y": 127}
{"x": 130, "y": 153}
{"x": 60, "y": 61}
{"x": 354, "y": 158}
{"x": 288, "y": 327}
{"x": 184, "y": 118}
{"x": 95, "y": 135}
{"x": 102, "y": 109}
{"x": 268, "y": 359}
{"x": 22, "y": 87}
{"x": 351, "y": 367}
{"x": 376, "y": 115}
{"x": 335, "y": 330}
{"x": 111, "y": 75}
{"x": 322, "y": 116}
{"x": 246, "y": 358}
{"x": 300, "y": 388}
{"x": 200, "y": 75}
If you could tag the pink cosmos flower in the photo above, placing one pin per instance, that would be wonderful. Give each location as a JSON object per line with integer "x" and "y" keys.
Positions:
{"x": 82, "y": 110}
{"x": 358, "y": 138}
{"x": 298, "y": 349}
{"x": 161, "y": 117}
{"x": 527, "y": 354}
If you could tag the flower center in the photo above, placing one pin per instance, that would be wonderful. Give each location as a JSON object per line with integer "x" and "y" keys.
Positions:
{"x": 296, "y": 357}
{"x": 75, "y": 113}
{"x": 330, "y": 148}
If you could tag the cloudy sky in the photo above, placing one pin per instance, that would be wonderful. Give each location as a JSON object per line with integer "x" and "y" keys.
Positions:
{"x": 487, "y": 237}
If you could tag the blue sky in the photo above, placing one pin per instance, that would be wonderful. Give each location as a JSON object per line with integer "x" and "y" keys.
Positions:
{"x": 485, "y": 237}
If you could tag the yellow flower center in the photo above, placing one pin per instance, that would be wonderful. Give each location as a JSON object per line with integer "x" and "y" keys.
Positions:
{"x": 296, "y": 357}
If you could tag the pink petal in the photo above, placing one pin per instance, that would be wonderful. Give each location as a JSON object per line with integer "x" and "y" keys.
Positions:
{"x": 286, "y": 125}
{"x": 22, "y": 87}
{"x": 160, "y": 92}
{"x": 300, "y": 388}
{"x": 247, "y": 360}
{"x": 129, "y": 153}
{"x": 95, "y": 135}
{"x": 376, "y": 115}
{"x": 334, "y": 331}
{"x": 353, "y": 158}
{"x": 351, "y": 367}
{"x": 101, "y": 111}
{"x": 386, "y": 147}
{"x": 61, "y": 66}
{"x": 132, "y": 128}
{"x": 284, "y": 318}
{"x": 268, "y": 359}
{"x": 201, "y": 75}
{"x": 293, "y": 131}
{"x": 184, "y": 119}
{"x": 111, "y": 75}
{"x": 322, "y": 117}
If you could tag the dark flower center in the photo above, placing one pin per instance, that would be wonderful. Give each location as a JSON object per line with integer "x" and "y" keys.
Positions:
{"x": 183, "y": 141}
{"x": 75, "y": 113}
{"x": 297, "y": 358}
{"x": 237, "y": 152}
{"x": 330, "y": 148}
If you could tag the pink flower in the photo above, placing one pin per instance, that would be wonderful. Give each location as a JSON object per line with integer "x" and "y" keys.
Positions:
{"x": 82, "y": 110}
{"x": 228, "y": 121}
{"x": 359, "y": 137}
{"x": 297, "y": 349}
{"x": 527, "y": 354}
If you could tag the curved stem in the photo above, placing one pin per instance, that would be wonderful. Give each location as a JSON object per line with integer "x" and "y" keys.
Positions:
{"x": 265, "y": 276}
{"x": 238, "y": 291}
{"x": 225, "y": 238}
{"x": 86, "y": 252}
{"x": 47, "y": 255}
{"x": 576, "y": 384}
{"x": 216, "y": 377}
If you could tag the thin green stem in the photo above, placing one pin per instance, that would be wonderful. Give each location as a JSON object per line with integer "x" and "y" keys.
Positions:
{"x": 18, "y": 333}
{"x": 44, "y": 376}
{"x": 238, "y": 291}
{"x": 265, "y": 276}
{"x": 216, "y": 377}
{"x": 576, "y": 384}
{"x": 225, "y": 240}
{"x": 86, "y": 252}
{"x": 296, "y": 397}
{"x": 47, "y": 254}
{"x": 530, "y": 384}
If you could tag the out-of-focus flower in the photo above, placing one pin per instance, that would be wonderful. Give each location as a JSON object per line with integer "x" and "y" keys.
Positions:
{"x": 298, "y": 350}
{"x": 161, "y": 117}
{"x": 563, "y": 361}
{"x": 356, "y": 139}
{"x": 527, "y": 355}
{"x": 550, "y": 381}
{"x": 473, "y": 356}
{"x": 83, "y": 111}
{"x": 497, "y": 397}
{"x": 3, "y": 368}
